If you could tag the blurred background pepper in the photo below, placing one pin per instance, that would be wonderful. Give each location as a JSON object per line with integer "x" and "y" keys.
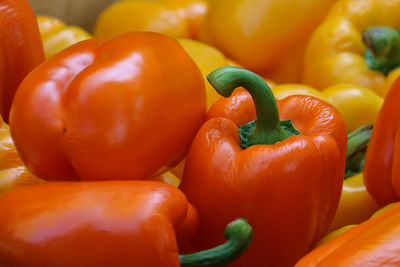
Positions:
{"x": 268, "y": 37}
{"x": 57, "y": 36}
{"x": 339, "y": 49}
{"x": 174, "y": 18}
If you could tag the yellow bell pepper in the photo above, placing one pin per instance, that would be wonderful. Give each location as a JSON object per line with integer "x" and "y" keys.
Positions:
{"x": 344, "y": 229}
{"x": 346, "y": 48}
{"x": 57, "y": 36}
{"x": 171, "y": 17}
{"x": 12, "y": 171}
{"x": 357, "y": 104}
{"x": 207, "y": 59}
{"x": 355, "y": 205}
{"x": 268, "y": 37}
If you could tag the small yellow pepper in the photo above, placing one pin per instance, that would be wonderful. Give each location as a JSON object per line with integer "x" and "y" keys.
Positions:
{"x": 357, "y": 104}
{"x": 12, "y": 171}
{"x": 348, "y": 47}
{"x": 344, "y": 229}
{"x": 355, "y": 205}
{"x": 207, "y": 59}
{"x": 56, "y": 36}
{"x": 174, "y": 18}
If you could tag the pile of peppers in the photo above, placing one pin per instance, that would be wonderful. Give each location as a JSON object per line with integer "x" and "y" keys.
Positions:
{"x": 201, "y": 133}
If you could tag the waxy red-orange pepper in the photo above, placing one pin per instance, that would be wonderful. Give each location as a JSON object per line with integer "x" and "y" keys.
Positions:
{"x": 21, "y": 49}
{"x": 374, "y": 243}
{"x": 111, "y": 223}
{"x": 126, "y": 108}
{"x": 382, "y": 169}
{"x": 288, "y": 187}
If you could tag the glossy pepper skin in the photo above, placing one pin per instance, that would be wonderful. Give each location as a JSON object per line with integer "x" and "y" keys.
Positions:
{"x": 288, "y": 191}
{"x": 57, "y": 36}
{"x": 113, "y": 223}
{"x": 126, "y": 108}
{"x": 336, "y": 52}
{"x": 357, "y": 104}
{"x": 372, "y": 243}
{"x": 180, "y": 18}
{"x": 381, "y": 170}
{"x": 21, "y": 49}
{"x": 268, "y": 37}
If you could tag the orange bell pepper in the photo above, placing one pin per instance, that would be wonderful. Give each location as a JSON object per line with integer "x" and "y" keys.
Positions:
{"x": 287, "y": 184}
{"x": 174, "y": 18}
{"x": 372, "y": 243}
{"x": 348, "y": 47}
{"x": 381, "y": 170}
{"x": 21, "y": 49}
{"x": 266, "y": 36}
{"x": 126, "y": 108}
{"x": 113, "y": 223}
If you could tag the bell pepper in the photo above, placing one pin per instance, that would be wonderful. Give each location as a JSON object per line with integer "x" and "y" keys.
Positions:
{"x": 286, "y": 180}
{"x": 268, "y": 37}
{"x": 356, "y": 204}
{"x": 56, "y": 35}
{"x": 347, "y": 46}
{"x": 344, "y": 229}
{"x": 21, "y": 49}
{"x": 358, "y": 105}
{"x": 207, "y": 59}
{"x": 112, "y": 223}
{"x": 372, "y": 243}
{"x": 13, "y": 173}
{"x": 381, "y": 170}
{"x": 174, "y": 18}
{"x": 126, "y": 108}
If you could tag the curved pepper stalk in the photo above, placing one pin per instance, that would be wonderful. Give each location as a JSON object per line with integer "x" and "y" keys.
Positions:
{"x": 268, "y": 129}
{"x": 239, "y": 234}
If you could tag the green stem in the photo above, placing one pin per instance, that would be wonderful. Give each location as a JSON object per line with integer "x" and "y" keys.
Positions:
{"x": 268, "y": 129}
{"x": 239, "y": 234}
{"x": 383, "y": 48}
{"x": 357, "y": 143}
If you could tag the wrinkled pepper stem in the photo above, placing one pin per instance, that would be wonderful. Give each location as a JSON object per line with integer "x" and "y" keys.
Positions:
{"x": 268, "y": 129}
{"x": 383, "y": 48}
{"x": 357, "y": 143}
{"x": 239, "y": 234}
